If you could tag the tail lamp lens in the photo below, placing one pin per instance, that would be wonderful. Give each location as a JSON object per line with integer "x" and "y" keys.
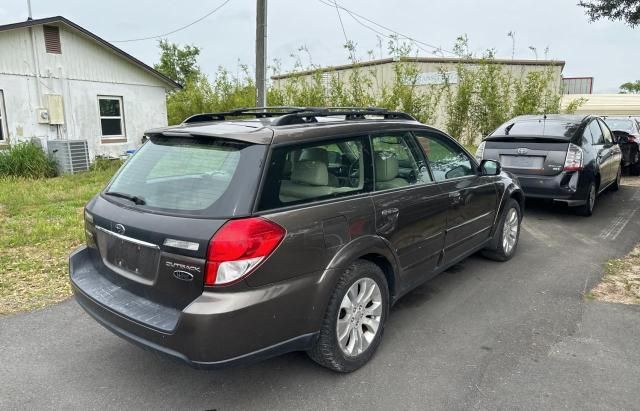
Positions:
{"x": 574, "y": 158}
{"x": 480, "y": 152}
{"x": 238, "y": 248}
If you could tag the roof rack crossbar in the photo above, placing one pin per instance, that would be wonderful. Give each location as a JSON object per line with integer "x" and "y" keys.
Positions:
{"x": 292, "y": 115}
{"x": 349, "y": 113}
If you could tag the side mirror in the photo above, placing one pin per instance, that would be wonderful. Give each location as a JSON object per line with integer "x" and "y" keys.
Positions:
{"x": 490, "y": 168}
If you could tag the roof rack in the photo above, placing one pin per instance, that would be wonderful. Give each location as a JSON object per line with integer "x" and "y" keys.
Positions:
{"x": 299, "y": 115}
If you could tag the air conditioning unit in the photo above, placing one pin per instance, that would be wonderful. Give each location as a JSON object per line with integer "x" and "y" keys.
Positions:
{"x": 72, "y": 156}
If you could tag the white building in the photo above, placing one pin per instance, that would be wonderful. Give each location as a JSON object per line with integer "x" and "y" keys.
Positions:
{"x": 59, "y": 81}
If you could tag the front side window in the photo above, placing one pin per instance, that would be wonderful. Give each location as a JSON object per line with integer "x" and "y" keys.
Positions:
{"x": 111, "y": 117}
{"x": 446, "y": 159}
{"x": 306, "y": 173}
{"x": 397, "y": 162}
{"x": 3, "y": 123}
{"x": 596, "y": 133}
{"x": 608, "y": 138}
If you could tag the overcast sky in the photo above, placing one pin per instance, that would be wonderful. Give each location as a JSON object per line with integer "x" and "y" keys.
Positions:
{"x": 608, "y": 51}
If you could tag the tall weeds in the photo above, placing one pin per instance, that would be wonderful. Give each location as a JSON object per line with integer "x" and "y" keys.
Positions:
{"x": 468, "y": 100}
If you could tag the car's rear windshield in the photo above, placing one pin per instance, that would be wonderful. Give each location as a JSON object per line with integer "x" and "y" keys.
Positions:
{"x": 619, "y": 124}
{"x": 201, "y": 176}
{"x": 538, "y": 128}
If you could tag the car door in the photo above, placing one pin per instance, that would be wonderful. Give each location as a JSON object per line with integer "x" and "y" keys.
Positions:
{"x": 472, "y": 197}
{"x": 410, "y": 208}
{"x": 602, "y": 152}
{"x": 614, "y": 154}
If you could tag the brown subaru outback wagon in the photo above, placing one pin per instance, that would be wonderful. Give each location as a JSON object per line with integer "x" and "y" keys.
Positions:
{"x": 243, "y": 235}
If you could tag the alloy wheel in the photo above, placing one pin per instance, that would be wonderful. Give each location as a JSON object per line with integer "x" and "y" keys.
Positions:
{"x": 359, "y": 317}
{"x": 510, "y": 231}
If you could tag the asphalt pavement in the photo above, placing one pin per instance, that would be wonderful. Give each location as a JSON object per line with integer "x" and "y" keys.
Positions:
{"x": 483, "y": 335}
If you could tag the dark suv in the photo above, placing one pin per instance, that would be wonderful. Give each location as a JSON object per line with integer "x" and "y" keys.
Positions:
{"x": 564, "y": 158}
{"x": 226, "y": 241}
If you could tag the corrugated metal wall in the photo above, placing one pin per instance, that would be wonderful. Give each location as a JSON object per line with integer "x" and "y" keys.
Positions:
{"x": 611, "y": 104}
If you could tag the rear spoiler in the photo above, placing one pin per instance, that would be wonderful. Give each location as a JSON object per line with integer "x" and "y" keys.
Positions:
{"x": 540, "y": 138}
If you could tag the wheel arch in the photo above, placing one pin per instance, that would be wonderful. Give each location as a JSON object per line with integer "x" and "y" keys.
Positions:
{"x": 371, "y": 248}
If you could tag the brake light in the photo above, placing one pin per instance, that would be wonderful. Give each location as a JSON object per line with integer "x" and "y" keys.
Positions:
{"x": 238, "y": 248}
{"x": 480, "y": 152}
{"x": 573, "y": 161}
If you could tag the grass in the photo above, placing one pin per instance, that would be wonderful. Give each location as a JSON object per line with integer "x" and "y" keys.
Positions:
{"x": 40, "y": 224}
{"x": 621, "y": 280}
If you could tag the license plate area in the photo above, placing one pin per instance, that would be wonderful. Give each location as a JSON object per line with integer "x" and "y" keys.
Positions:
{"x": 129, "y": 257}
{"x": 526, "y": 162}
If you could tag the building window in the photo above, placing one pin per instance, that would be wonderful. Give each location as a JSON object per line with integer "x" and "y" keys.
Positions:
{"x": 52, "y": 39}
{"x": 3, "y": 122}
{"x": 111, "y": 117}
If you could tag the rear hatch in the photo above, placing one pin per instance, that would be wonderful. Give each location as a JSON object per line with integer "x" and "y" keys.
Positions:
{"x": 528, "y": 155}
{"x": 149, "y": 229}
{"x": 531, "y": 146}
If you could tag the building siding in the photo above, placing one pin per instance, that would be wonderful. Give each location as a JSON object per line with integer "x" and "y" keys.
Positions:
{"x": 84, "y": 70}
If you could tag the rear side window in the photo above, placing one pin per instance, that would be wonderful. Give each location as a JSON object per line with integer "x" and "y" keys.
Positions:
{"x": 303, "y": 174}
{"x": 193, "y": 176}
{"x": 398, "y": 162}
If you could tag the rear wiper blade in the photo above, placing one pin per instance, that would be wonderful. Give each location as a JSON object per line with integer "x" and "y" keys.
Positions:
{"x": 135, "y": 199}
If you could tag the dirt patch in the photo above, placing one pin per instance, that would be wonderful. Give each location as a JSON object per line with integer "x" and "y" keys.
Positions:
{"x": 621, "y": 280}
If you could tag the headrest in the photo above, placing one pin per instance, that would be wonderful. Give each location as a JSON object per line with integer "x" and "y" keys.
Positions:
{"x": 386, "y": 166}
{"x": 313, "y": 173}
{"x": 314, "y": 154}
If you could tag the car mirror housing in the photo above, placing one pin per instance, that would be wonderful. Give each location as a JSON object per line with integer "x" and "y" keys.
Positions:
{"x": 490, "y": 167}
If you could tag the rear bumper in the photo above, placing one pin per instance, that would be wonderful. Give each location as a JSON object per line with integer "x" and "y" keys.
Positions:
{"x": 566, "y": 187}
{"x": 218, "y": 329}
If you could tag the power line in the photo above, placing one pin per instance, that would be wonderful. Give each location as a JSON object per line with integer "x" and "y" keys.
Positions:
{"x": 355, "y": 16}
{"x": 346, "y": 39}
{"x": 176, "y": 30}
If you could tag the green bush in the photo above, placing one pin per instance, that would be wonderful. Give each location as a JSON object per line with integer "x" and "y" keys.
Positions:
{"x": 26, "y": 160}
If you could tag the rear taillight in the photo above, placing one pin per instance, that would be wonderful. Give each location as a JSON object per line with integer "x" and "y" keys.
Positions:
{"x": 480, "y": 152}
{"x": 574, "y": 158}
{"x": 238, "y": 248}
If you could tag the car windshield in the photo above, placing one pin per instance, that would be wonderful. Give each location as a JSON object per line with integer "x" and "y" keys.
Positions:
{"x": 179, "y": 174}
{"x": 548, "y": 128}
{"x": 619, "y": 124}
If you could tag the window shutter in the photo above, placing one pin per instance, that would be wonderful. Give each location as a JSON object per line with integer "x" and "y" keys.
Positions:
{"x": 52, "y": 39}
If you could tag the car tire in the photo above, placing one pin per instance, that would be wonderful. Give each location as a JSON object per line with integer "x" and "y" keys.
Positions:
{"x": 586, "y": 210}
{"x": 505, "y": 241}
{"x": 327, "y": 350}
{"x": 616, "y": 184}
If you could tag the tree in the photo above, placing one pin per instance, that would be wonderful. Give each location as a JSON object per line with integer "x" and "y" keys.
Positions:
{"x": 178, "y": 63}
{"x": 626, "y": 10}
{"x": 630, "y": 87}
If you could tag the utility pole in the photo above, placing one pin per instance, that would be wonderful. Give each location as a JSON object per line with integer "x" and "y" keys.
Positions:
{"x": 261, "y": 53}
{"x": 30, "y": 13}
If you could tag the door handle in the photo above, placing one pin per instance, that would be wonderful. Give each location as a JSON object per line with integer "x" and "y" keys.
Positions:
{"x": 389, "y": 211}
{"x": 455, "y": 197}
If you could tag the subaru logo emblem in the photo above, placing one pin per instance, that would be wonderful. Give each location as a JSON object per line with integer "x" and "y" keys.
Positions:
{"x": 183, "y": 275}
{"x": 522, "y": 151}
{"x": 120, "y": 229}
